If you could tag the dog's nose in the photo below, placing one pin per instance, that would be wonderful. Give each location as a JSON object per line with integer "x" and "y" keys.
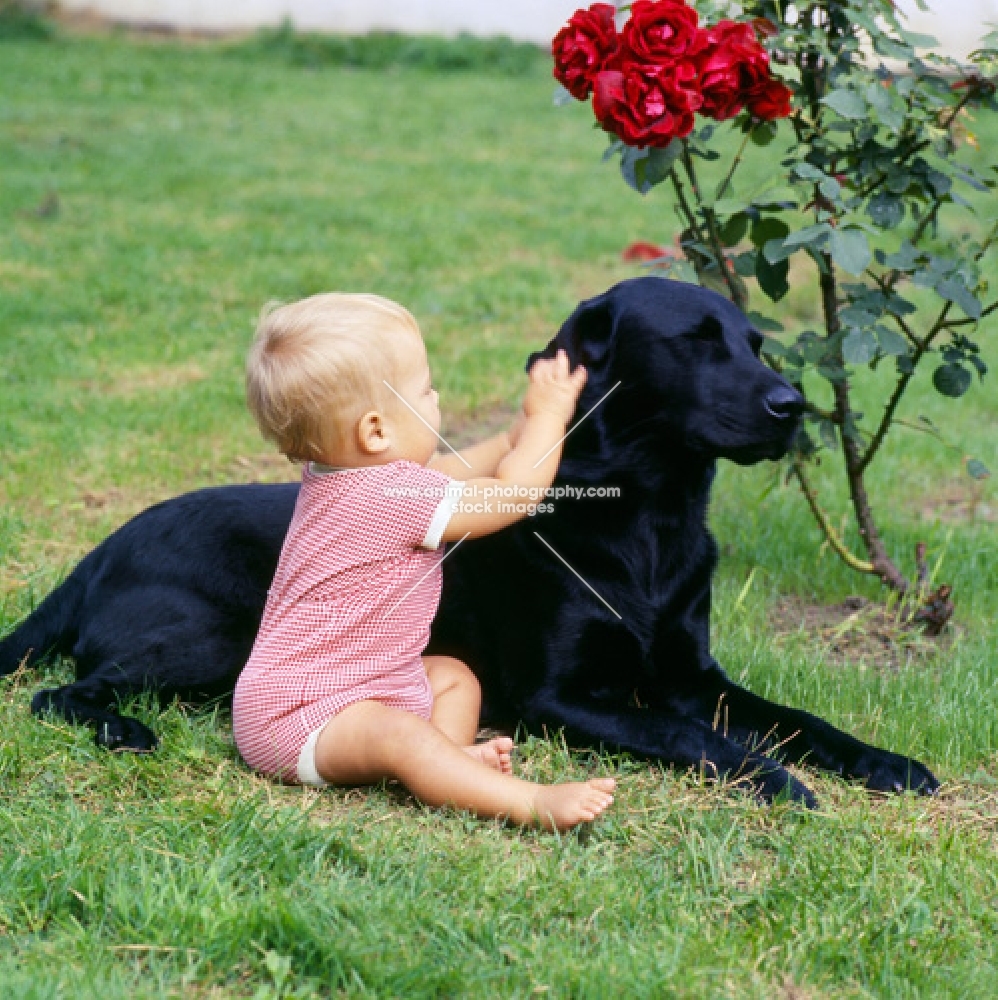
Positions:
{"x": 783, "y": 402}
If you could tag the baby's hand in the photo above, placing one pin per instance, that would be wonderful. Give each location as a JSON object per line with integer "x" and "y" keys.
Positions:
{"x": 554, "y": 388}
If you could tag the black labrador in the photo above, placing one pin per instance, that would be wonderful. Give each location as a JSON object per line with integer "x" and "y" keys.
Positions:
{"x": 592, "y": 618}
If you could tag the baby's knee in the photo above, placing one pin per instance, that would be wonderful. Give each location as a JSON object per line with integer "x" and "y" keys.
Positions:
{"x": 446, "y": 672}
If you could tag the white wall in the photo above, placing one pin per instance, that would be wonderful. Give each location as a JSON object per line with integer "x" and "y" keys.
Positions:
{"x": 958, "y": 24}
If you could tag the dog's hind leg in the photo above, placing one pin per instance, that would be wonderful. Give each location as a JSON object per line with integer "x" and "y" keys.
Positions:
{"x": 50, "y": 628}
{"x": 91, "y": 701}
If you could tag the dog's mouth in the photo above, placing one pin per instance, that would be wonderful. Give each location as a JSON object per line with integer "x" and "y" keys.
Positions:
{"x": 762, "y": 451}
{"x": 758, "y": 453}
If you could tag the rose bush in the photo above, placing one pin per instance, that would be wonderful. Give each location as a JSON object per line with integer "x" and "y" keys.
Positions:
{"x": 865, "y": 187}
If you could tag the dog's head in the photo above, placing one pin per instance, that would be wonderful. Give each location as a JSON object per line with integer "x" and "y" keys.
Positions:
{"x": 689, "y": 368}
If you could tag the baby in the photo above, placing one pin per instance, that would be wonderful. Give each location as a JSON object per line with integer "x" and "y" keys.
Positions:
{"x": 336, "y": 690}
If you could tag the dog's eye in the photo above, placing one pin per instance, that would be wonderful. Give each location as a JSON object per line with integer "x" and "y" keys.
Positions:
{"x": 709, "y": 329}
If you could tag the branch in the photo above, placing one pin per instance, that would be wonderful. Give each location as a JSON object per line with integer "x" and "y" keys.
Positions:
{"x": 684, "y": 206}
{"x": 987, "y": 311}
{"x": 899, "y": 389}
{"x": 831, "y": 535}
{"x": 882, "y": 564}
{"x": 726, "y": 183}
{"x": 819, "y": 412}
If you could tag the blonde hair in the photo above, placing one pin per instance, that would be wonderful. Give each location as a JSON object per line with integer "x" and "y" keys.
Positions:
{"x": 319, "y": 363}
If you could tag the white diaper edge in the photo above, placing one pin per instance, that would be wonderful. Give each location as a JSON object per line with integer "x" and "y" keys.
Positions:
{"x": 307, "y": 772}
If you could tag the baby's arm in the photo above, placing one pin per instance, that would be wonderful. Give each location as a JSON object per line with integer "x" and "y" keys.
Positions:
{"x": 532, "y": 464}
{"x": 480, "y": 459}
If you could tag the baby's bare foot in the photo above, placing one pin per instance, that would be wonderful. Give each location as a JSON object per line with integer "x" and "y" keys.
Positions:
{"x": 495, "y": 753}
{"x": 560, "y": 807}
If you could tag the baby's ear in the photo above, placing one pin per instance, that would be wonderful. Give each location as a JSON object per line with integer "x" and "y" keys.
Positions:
{"x": 371, "y": 433}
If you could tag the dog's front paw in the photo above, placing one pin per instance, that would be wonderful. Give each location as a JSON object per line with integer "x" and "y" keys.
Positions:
{"x": 881, "y": 771}
{"x": 125, "y": 735}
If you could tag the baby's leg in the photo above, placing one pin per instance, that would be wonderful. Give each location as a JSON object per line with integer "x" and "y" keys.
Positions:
{"x": 457, "y": 702}
{"x": 369, "y": 741}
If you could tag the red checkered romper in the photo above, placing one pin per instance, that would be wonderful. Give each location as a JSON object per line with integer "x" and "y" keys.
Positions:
{"x": 348, "y": 614}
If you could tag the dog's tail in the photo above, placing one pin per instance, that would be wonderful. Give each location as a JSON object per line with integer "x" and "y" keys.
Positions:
{"x": 51, "y": 628}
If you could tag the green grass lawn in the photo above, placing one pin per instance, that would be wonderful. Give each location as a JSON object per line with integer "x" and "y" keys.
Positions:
{"x": 153, "y": 197}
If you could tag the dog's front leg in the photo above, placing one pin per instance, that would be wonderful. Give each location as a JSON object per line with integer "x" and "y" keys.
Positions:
{"x": 673, "y": 738}
{"x": 803, "y": 738}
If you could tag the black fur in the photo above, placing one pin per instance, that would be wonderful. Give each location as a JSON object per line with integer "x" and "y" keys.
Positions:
{"x": 173, "y": 599}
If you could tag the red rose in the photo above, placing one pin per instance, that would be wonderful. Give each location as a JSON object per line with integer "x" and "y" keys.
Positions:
{"x": 582, "y": 48}
{"x": 734, "y": 71}
{"x": 770, "y": 100}
{"x": 732, "y": 63}
{"x": 661, "y": 31}
{"x": 647, "y": 105}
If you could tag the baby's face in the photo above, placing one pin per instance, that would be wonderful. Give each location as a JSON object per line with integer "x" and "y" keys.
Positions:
{"x": 416, "y": 418}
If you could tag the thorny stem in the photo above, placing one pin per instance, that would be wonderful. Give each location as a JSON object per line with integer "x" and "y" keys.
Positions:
{"x": 879, "y": 559}
{"x": 685, "y": 208}
{"x": 726, "y": 183}
{"x": 736, "y": 294}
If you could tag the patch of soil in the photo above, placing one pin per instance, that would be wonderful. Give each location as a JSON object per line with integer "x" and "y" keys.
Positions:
{"x": 857, "y": 631}
{"x": 960, "y": 503}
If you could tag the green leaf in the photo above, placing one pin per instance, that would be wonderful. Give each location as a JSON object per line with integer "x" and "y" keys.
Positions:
{"x": 774, "y": 348}
{"x": 772, "y": 276}
{"x": 766, "y": 228}
{"x": 660, "y": 161}
{"x": 976, "y": 469}
{"x": 857, "y": 316}
{"x": 830, "y": 188}
{"x": 642, "y": 169}
{"x": 763, "y": 134}
{"x": 681, "y": 270}
{"x": 877, "y": 96}
{"x": 782, "y": 197}
{"x": 809, "y": 236}
{"x": 859, "y": 347}
{"x": 952, "y": 380}
{"x": 955, "y": 291}
{"x": 765, "y": 323}
{"x": 829, "y": 437}
{"x": 776, "y": 250}
{"x": 850, "y": 250}
{"x": 745, "y": 264}
{"x": 893, "y": 50}
{"x": 846, "y": 103}
{"x": 726, "y": 207}
{"x": 734, "y": 230}
{"x": 906, "y": 259}
{"x": 894, "y": 120}
{"x": 920, "y": 41}
{"x": 809, "y": 172}
{"x": 891, "y": 342}
{"x": 561, "y": 96}
{"x": 885, "y": 210}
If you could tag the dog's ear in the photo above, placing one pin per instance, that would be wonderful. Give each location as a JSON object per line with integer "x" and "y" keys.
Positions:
{"x": 586, "y": 336}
